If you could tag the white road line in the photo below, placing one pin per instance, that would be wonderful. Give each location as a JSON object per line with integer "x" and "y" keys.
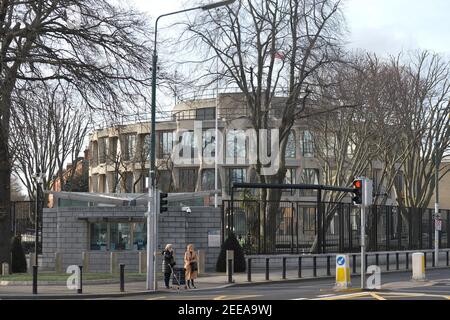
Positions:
{"x": 325, "y": 295}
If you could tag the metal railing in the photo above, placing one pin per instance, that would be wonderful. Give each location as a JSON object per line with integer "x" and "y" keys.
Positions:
{"x": 296, "y": 228}
{"x": 322, "y": 265}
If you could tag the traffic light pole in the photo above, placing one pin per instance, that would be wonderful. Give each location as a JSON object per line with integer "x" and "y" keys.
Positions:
{"x": 436, "y": 207}
{"x": 363, "y": 246}
{"x": 151, "y": 221}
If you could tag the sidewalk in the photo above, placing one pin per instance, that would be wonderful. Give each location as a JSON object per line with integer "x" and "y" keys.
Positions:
{"x": 204, "y": 282}
{"x": 208, "y": 281}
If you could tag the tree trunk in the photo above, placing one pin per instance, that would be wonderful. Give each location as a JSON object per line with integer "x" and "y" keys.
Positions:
{"x": 5, "y": 196}
{"x": 273, "y": 212}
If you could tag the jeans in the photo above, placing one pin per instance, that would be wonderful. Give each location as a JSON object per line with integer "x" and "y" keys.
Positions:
{"x": 167, "y": 278}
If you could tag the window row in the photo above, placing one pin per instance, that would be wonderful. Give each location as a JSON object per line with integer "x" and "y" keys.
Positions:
{"x": 135, "y": 147}
{"x": 117, "y": 236}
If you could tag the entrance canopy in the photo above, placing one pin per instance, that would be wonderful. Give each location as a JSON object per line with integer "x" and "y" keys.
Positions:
{"x": 124, "y": 199}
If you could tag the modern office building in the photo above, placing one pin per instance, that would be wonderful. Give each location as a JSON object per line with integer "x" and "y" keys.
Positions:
{"x": 120, "y": 153}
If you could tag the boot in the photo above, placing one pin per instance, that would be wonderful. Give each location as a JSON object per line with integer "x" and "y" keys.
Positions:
{"x": 193, "y": 285}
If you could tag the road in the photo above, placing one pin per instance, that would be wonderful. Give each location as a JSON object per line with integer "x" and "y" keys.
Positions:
{"x": 395, "y": 286}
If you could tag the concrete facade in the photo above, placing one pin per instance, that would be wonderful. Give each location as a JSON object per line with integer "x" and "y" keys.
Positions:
{"x": 66, "y": 233}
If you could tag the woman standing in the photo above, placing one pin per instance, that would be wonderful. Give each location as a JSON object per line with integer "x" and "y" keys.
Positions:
{"x": 167, "y": 264}
{"x": 191, "y": 265}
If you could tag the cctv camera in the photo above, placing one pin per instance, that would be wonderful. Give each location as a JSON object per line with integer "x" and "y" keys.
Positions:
{"x": 186, "y": 209}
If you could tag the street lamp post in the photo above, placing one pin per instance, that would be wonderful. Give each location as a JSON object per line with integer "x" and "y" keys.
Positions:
{"x": 436, "y": 205}
{"x": 152, "y": 214}
{"x": 38, "y": 177}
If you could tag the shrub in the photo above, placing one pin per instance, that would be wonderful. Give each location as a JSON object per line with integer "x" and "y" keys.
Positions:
{"x": 18, "y": 260}
{"x": 231, "y": 243}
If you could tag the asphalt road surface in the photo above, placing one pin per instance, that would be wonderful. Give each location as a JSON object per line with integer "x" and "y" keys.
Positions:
{"x": 395, "y": 286}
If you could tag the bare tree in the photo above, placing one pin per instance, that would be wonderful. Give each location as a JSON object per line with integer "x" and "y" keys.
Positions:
{"x": 97, "y": 46}
{"x": 267, "y": 48}
{"x": 48, "y": 130}
{"x": 425, "y": 97}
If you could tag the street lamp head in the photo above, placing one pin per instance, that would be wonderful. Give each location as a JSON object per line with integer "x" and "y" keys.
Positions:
{"x": 217, "y": 4}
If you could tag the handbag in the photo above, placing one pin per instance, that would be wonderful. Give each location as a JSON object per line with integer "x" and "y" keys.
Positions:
{"x": 194, "y": 266}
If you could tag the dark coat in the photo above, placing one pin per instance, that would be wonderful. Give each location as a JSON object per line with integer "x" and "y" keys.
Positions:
{"x": 167, "y": 260}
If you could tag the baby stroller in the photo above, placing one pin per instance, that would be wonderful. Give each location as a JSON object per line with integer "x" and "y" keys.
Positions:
{"x": 178, "y": 276}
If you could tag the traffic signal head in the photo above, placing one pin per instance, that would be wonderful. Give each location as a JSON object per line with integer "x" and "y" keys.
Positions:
{"x": 163, "y": 203}
{"x": 357, "y": 191}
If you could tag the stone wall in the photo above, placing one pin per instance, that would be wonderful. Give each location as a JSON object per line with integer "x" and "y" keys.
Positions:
{"x": 65, "y": 230}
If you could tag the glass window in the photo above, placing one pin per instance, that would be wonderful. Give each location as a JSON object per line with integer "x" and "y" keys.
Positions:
{"x": 290, "y": 146}
{"x": 94, "y": 152}
{"x": 99, "y": 239}
{"x": 290, "y": 179}
{"x": 206, "y": 114}
{"x": 139, "y": 236}
{"x": 188, "y": 180}
{"x": 307, "y": 144}
{"x": 236, "y": 144}
{"x": 209, "y": 142}
{"x": 165, "y": 143}
{"x": 145, "y": 147}
{"x": 102, "y": 150}
{"x": 187, "y": 144}
{"x": 236, "y": 175}
{"x": 129, "y": 146}
{"x": 129, "y": 182}
{"x": 309, "y": 219}
{"x": 164, "y": 180}
{"x": 208, "y": 179}
{"x": 113, "y": 148}
{"x": 120, "y": 236}
{"x": 309, "y": 176}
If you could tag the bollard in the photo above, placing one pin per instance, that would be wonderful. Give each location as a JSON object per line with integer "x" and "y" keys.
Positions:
{"x": 328, "y": 266}
{"x": 230, "y": 271}
{"x": 284, "y": 268}
{"x": 5, "y": 268}
{"x": 35, "y": 279}
{"x": 113, "y": 262}
{"x": 201, "y": 262}
{"x": 142, "y": 261}
{"x": 299, "y": 267}
{"x": 425, "y": 259}
{"x": 85, "y": 259}
{"x": 249, "y": 270}
{"x": 58, "y": 262}
{"x": 122, "y": 277}
{"x": 447, "y": 258}
{"x": 31, "y": 260}
{"x": 230, "y": 256}
{"x": 267, "y": 268}
{"x": 314, "y": 266}
{"x": 396, "y": 261}
{"x": 407, "y": 260}
{"x": 387, "y": 262}
{"x": 418, "y": 265}
{"x": 80, "y": 284}
{"x": 377, "y": 260}
{"x": 354, "y": 263}
{"x": 342, "y": 272}
{"x": 432, "y": 260}
{"x": 366, "y": 258}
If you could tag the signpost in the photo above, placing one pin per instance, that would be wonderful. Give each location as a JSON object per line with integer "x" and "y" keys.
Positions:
{"x": 365, "y": 187}
{"x": 342, "y": 272}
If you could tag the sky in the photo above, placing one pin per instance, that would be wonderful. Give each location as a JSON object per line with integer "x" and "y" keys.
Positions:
{"x": 381, "y": 26}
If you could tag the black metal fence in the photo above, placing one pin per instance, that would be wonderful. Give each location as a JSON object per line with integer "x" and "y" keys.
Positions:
{"x": 23, "y": 223}
{"x": 297, "y": 228}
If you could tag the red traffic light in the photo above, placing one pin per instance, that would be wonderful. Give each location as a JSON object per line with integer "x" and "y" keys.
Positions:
{"x": 357, "y": 184}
